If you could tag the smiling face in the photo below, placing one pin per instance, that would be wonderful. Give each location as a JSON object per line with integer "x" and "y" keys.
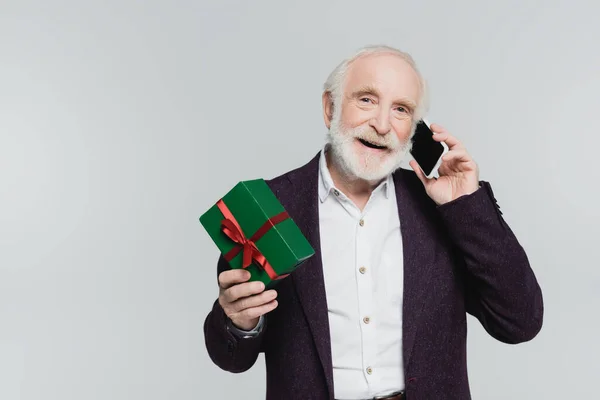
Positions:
{"x": 370, "y": 126}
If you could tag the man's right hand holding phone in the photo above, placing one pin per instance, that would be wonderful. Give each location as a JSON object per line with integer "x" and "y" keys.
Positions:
{"x": 244, "y": 302}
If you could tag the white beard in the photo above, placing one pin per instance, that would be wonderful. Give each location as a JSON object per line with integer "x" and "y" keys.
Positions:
{"x": 365, "y": 165}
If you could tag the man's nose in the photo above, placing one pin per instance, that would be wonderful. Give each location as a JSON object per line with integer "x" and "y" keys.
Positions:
{"x": 381, "y": 123}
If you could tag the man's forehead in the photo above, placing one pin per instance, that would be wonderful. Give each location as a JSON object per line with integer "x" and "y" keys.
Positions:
{"x": 388, "y": 68}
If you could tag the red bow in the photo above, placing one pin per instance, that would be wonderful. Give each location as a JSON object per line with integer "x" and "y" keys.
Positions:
{"x": 232, "y": 229}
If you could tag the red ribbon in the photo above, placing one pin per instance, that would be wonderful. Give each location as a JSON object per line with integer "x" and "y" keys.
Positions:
{"x": 232, "y": 229}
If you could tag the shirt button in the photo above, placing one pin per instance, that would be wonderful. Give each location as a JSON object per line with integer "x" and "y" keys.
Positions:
{"x": 366, "y": 320}
{"x": 369, "y": 370}
{"x": 336, "y": 192}
{"x": 362, "y": 270}
{"x": 361, "y": 222}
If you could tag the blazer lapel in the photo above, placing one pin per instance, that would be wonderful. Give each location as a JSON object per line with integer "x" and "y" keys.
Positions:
{"x": 417, "y": 274}
{"x": 308, "y": 278}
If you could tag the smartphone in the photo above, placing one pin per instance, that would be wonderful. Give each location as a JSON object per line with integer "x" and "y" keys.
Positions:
{"x": 426, "y": 151}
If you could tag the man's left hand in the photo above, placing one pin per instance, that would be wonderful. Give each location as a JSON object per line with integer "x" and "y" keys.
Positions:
{"x": 458, "y": 173}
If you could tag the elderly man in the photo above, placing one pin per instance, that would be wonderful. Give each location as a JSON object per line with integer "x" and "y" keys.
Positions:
{"x": 380, "y": 310}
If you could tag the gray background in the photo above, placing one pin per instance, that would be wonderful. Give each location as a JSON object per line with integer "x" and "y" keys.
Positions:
{"x": 122, "y": 121}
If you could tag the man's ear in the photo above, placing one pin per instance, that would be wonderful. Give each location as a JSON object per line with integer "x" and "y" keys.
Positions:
{"x": 327, "y": 109}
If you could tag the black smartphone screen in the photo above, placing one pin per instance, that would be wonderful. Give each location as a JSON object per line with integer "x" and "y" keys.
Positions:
{"x": 425, "y": 150}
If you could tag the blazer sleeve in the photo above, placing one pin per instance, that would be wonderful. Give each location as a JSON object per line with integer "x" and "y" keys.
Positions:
{"x": 226, "y": 349}
{"x": 501, "y": 289}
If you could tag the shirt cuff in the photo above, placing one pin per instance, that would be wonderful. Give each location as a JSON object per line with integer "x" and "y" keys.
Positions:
{"x": 240, "y": 333}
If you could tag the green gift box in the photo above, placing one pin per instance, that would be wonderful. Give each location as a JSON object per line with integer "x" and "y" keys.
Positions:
{"x": 253, "y": 231}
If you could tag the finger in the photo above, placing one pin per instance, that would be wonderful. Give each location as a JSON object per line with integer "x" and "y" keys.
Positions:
{"x": 233, "y": 276}
{"x": 438, "y": 129}
{"x": 420, "y": 174}
{"x": 460, "y": 155}
{"x": 254, "y": 301}
{"x": 243, "y": 290}
{"x": 255, "y": 312}
{"x": 451, "y": 141}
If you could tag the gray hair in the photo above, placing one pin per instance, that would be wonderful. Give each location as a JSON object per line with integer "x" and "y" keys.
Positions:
{"x": 335, "y": 82}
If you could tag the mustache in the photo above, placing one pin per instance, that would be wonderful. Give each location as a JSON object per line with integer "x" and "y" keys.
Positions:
{"x": 369, "y": 134}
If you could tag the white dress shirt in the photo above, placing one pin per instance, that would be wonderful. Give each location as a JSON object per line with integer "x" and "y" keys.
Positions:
{"x": 363, "y": 272}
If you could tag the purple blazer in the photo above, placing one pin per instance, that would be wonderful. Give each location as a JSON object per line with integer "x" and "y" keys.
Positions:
{"x": 459, "y": 258}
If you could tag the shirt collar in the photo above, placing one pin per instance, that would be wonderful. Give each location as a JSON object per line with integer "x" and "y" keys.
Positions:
{"x": 326, "y": 185}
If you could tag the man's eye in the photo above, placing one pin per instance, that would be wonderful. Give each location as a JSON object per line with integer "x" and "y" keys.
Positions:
{"x": 401, "y": 109}
{"x": 365, "y": 100}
